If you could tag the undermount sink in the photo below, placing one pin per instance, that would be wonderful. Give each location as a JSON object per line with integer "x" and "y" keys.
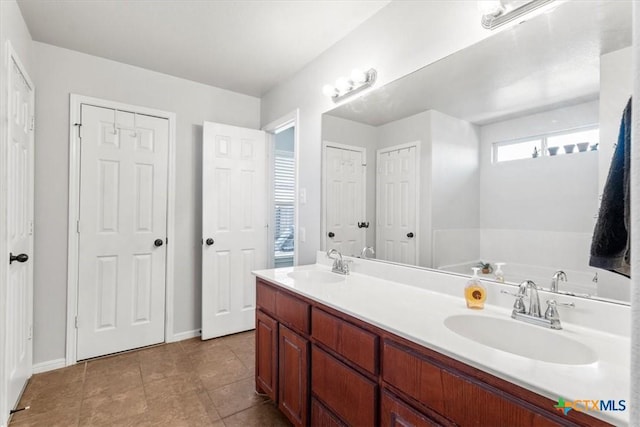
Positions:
{"x": 316, "y": 276}
{"x": 512, "y": 336}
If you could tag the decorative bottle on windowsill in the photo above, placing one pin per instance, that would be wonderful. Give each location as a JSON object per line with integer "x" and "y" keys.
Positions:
{"x": 499, "y": 273}
{"x": 474, "y": 293}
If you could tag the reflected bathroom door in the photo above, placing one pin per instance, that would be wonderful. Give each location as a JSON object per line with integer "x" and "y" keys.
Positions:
{"x": 396, "y": 207}
{"x": 344, "y": 184}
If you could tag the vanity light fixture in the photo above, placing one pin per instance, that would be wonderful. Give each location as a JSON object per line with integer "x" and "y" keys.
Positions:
{"x": 496, "y": 13}
{"x": 345, "y": 87}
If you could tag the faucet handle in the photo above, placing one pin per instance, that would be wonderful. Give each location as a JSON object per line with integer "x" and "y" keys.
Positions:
{"x": 554, "y": 303}
{"x": 518, "y": 305}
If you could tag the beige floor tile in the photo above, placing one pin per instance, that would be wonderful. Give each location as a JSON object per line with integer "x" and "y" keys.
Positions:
{"x": 235, "y": 397}
{"x": 189, "y": 383}
{"x": 263, "y": 415}
{"x": 217, "y": 375}
{"x": 108, "y": 409}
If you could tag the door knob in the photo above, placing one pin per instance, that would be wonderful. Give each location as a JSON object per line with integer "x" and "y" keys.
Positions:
{"x": 19, "y": 258}
{"x": 158, "y": 242}
{"x": 210, "y": 241}
{"x": 331, "y": 234}
{"x": 410, "y": 235}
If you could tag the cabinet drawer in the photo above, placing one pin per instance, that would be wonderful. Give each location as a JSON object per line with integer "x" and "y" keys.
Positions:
{"x": 395, "y": 413}
{"x": 352, "y": 342}
{"x": 322, "y": 417}
{"x": 413, "y": 375}
{"x": 266, "y": 297}
{"x": 491, "y": 408}
{"x": 292, "y": 312}
{"x": 345, "y": 392}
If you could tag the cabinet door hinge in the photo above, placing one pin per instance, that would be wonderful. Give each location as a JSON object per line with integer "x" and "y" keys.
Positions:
{"x": 76, "y": 322}
{"x": 78, "y": 226}
{"x": 33, "y": 123}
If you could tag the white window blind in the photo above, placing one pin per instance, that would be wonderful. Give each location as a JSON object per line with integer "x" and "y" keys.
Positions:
{"x": 284, "y": 199}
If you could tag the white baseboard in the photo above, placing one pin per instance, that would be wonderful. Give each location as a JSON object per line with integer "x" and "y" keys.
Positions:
{"x": 49, "y": 365}
{"x": 180, "y": 336}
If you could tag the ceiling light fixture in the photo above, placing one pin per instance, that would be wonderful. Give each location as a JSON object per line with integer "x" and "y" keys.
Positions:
{"x": 347, "y": 86}
{"x": 496, "y": 13}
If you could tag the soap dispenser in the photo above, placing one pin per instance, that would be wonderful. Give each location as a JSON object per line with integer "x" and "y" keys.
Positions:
{"x": 474, "y": 292}
{"x": 499, "y": 273}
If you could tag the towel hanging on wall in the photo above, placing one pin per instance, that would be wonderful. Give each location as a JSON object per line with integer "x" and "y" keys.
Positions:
{"x": 611, "y": 244}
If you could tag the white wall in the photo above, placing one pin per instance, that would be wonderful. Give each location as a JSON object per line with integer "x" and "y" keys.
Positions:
{"x": 13, "y": 29}
{"x": 399, "y": 39}
{"x": 547, "y": 193}
{"x": 61, "y": 72}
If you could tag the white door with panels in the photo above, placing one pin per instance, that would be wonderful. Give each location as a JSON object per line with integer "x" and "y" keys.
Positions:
{"x": 234, "y": 226}
{"x": 19, "y": 228}
{"x": 123, "y": 228}
{"x": 396, "y": 204}
{"x": 344, "y": 177}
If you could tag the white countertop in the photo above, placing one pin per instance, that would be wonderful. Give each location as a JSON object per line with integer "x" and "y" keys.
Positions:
{"x": 417, "y": 313}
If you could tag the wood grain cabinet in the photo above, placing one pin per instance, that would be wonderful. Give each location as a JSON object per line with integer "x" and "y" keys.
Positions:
{"x": 325, "y": 368}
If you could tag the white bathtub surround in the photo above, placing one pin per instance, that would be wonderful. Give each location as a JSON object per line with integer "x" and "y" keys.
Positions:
{"x": 414, "y": 303}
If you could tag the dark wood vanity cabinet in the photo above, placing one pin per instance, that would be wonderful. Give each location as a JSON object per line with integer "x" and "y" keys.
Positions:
{"x": 325, "y": 368}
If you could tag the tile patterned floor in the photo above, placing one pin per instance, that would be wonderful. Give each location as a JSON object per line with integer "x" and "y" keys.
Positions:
{"x": 188, "y": 383}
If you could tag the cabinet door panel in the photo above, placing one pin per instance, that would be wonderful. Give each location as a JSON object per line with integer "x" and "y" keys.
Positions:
{"x": 294, "y": 374}
{"x": 266, "y": 355}
{"x": 355, "y": 344}
{"x": 395, "y": 413}
{"x": 347, "y": 393}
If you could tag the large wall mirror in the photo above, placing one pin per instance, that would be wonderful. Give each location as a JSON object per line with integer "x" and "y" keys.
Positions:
{"x": 495, "y": 154}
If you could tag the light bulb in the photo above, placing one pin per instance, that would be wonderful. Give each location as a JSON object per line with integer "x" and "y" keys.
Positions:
{"x": 358, "y": 76}
{"x": 329, "y": 90}
{"x": 343, "y": 84}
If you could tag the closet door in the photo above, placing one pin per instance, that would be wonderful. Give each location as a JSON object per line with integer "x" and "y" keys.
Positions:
{"x": 123, "y": 229}
{"x": 234, "y": 226}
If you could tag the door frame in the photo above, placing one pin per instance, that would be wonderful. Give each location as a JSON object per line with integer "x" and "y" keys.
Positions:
{"x": 323, "y": 207}
{"x": 75, "y": 105}
{"x": 11, "y": 55}
{"x": 291, "y": 119}
{"x": 399, "y": 147}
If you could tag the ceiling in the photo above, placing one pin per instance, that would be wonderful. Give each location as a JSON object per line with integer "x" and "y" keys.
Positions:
{"x": 246, "y": 46}
{"x": 550, "y": 61}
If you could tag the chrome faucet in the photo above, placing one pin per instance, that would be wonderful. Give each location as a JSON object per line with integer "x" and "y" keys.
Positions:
{"x": 340, "y": 266}
{"x": 366, "y": 249}
{"x": 557, "y": 277}
{"x": 528, "y": 289}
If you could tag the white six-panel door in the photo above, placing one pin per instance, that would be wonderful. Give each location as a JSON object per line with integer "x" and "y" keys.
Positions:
{"x": 123, "y": 223}
{"x": 234, "y": 219}
{"x": 344, "y": 182}
{"x": 19, "y": 197}
{"x": 396, "y": 196}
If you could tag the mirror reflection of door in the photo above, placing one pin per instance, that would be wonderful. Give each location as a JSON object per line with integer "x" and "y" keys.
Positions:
{"x": 396, "y": 236}
{"x": 344, "y": 175}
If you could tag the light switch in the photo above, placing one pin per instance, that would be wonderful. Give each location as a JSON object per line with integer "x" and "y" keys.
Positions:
{"x": 303, "y": 196}
{"x": 303, "y": 234}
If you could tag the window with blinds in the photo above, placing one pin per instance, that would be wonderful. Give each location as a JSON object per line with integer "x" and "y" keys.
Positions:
{"x": 284, "y": 199}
